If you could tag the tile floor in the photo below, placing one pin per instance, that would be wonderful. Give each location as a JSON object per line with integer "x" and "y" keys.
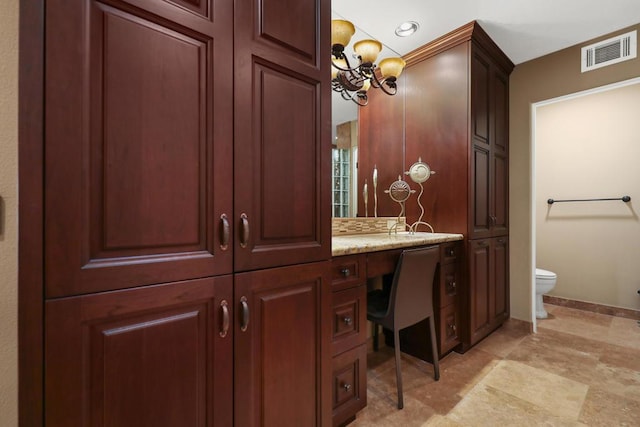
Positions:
{"x": 580, "y": 369}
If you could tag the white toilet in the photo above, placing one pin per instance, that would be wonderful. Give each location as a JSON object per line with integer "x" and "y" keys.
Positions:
{"x": 545, "y": 281}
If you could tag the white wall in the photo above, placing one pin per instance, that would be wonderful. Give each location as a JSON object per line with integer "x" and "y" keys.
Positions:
{"x": 589, "y": 147}
{"x": 8, "y": 212}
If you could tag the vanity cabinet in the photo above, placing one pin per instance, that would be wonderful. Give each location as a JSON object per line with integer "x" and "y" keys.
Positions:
{"x": 348, "y": 337}
{"x": 449, "y": 285}
{"x": 185, "y": 208}
{"x": 455, "y": 118}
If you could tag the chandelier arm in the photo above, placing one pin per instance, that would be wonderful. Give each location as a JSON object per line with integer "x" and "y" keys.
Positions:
{"x": 384, "y": 84}
{"x": 346, "y": 95}
{"x": 360, "y": 98}
{"x": 346, "y": 61}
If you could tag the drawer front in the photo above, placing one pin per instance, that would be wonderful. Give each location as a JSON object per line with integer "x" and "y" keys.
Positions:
{"x": 349, "y": 318}
{"x": 449, "y": 331}
{"x": 450, "y": 252}
{"x": 347, "y": 271}
{"x": 449, "y": 284}
{"x": 349, "y": 384}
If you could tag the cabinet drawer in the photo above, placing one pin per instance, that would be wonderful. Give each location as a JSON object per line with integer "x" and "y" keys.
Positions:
{"x": 349, "y": 318}
{"x": 347, "y": 271}
{"x": 349, "y": 384}
{"x": 450, "y": 252}
{"x": 449, "y": 283}
{"x": 449, "y": 330}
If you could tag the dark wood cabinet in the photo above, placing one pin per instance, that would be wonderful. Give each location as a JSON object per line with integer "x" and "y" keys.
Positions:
{"x": 185, "y": 204}
{"x": 348, "y": 337}
{"x": 282, "y": 156}
{"x": 489, "y": 136}
{"x": 489, "y": 307}
{"x": 281, "y": 342}
{"x": 156, "y": 355}
{"x": 455, "y": 118}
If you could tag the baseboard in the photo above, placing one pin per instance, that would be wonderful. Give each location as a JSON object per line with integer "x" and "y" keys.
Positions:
{"x": 593, "y": 307}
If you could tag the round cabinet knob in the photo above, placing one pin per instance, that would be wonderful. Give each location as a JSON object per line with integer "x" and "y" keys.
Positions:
{"x": 346, "y": 272}
{"x": 347, "y": 320}
{"x": 346, "y": 387}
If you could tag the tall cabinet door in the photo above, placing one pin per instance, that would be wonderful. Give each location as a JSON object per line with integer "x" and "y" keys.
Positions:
{"x": 500, "y": 274}
{"x": 138, "y": 143}
{"x": 500, "y": 153}
{"x": 152, "y": 356}
{"x": 281, "y": 344}
{"x": 480, "y": 215}
{"x": 481, "y": 289}
{"x": 282, "y": 137}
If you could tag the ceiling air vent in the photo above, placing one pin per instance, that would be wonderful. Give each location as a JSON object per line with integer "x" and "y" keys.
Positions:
{"x": 611, "y": 51}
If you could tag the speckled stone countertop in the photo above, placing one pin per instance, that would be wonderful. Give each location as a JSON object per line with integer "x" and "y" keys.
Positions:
{"x": 361, "y": 243}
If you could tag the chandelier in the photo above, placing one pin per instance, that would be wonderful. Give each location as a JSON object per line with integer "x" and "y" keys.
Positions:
{"x": 353, "y": 82}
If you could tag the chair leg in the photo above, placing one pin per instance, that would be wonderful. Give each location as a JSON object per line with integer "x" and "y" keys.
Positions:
{"x": 375, "y": 336}
{"x": 396, "y": 339}
{"x": 434, "y": 349}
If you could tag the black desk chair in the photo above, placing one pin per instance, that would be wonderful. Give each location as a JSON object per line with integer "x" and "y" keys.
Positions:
{"x": 410, "y": 301}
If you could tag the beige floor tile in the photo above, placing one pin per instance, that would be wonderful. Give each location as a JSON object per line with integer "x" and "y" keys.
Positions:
{"x": 557, "y": 395}
{"x": 617, "y": 381}
{"x": 577, "y": 322}
{"x": 623, "y": 357}
{"x": 625, "y": 333}
{"x": 605, "y": 409}
{"x": 487, "y": 406}
{"x": 502, "y": 342}
{"x": 579, "y": 369}
{"x": 566, "y": 355}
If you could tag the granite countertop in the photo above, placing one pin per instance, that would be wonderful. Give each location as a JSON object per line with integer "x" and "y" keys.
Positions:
{"x": 361, "y": 243}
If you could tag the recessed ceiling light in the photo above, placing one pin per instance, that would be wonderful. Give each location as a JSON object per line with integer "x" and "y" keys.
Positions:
{"x": 407, "y": 28}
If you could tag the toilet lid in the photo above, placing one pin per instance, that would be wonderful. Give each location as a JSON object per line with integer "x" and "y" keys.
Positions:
{"x": 545, "y": 274}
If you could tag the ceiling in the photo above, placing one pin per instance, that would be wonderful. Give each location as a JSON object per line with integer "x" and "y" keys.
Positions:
{"x": 524, "y": 29}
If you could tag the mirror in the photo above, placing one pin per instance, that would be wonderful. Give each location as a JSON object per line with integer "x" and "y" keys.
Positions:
{"x": 344, "y": 136}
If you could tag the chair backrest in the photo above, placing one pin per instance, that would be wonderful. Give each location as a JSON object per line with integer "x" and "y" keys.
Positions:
{"x": 411, "y": 296}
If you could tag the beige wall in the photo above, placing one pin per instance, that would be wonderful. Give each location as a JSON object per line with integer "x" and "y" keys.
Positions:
{"x": 8, "y": 212}
{"x": 587, "y": 147}
{"x": 541, "y": 79}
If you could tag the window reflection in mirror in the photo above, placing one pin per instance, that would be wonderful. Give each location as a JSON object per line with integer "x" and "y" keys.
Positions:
{"x": 344, "y": 171}
{"x": 345, "y": 157}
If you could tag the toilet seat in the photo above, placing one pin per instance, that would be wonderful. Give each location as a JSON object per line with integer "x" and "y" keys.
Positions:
{"x": 545, "y": 274}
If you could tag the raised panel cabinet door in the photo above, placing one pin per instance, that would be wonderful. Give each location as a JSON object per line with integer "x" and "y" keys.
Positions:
{"x": 153, "y": 356}
{"x": 479, "y": 289}
{"x": 138, "y": 143}
{"x": 282, "y": 347}
{"x": 282, "y": 147}
{"x": 480, "y": 96}
{"x": 480, "y": 192}
{"x": 500, "y": 266}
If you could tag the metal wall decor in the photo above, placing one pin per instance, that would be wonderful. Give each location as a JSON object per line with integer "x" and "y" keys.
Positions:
{"x": 399, "y": 191}
{"x": 419, "y": 172}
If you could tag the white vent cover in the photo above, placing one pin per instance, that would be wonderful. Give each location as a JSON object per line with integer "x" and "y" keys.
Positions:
{"x": 611, "y": 51}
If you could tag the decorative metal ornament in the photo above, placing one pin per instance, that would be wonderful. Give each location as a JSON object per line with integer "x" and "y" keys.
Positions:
{"x": 399, "y": 191}
{"x": 419, "y": 172}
